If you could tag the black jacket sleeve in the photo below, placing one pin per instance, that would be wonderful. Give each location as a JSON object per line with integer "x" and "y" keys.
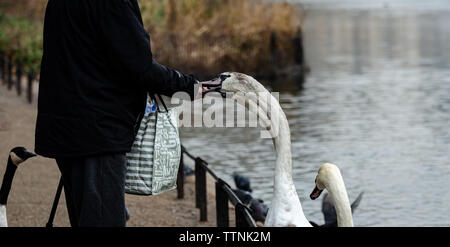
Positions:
{"x": 127, "y": 44}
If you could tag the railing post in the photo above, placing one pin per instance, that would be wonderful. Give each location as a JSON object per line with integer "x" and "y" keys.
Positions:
{"x": 180, "y": 178}
{"x": 19, "y": 73}
{"x": 240, "y": 215}
{"x": 222, "y": 216}
{"x": 2, "y": 67}
{"x": 200, "y": 189}
{"x": 10, "y": 65}
{"x": 30, "y": 88}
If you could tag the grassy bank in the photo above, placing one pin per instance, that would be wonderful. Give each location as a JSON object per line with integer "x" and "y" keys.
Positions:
{"x": 195, "y": 36}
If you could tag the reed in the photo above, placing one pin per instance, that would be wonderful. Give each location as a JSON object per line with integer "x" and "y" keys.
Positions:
{"x": 213, "y": 36}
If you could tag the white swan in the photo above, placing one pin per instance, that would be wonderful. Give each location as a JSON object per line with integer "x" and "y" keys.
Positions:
{"x": 15, "y": 158}
{"x": 285, "y": 209}
{"x": 329, "y": 177}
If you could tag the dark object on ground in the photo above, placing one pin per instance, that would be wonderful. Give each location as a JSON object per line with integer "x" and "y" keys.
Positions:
{"x": 329, "y": 212}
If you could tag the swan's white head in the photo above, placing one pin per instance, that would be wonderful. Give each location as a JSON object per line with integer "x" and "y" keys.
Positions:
{"x": 326, "y": 171}
{"x": 330, "y": 178}
{"x": 238, "y": 82}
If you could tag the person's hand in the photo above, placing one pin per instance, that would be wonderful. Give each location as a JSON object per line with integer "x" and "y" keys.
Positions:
{"x": 199, "y": 94}
{"x": 216, "y": 81}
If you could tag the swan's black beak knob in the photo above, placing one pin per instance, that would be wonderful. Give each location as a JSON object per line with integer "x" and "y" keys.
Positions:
{"x": 215, "y": 85}
{"x": 315, "y": 193}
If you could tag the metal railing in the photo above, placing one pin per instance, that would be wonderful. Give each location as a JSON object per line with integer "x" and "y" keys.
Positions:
{"x": 7, "y": 70}
{"x": 224, "y": 195}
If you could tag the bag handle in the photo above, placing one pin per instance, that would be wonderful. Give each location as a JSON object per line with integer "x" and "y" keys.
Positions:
{"x": 152, "y": 96}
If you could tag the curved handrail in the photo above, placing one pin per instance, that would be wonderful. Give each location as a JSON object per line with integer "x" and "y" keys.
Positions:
{"x": 243, "y": 212}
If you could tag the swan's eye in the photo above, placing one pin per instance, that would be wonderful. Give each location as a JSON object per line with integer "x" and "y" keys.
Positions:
{"x": 315, "y": 180}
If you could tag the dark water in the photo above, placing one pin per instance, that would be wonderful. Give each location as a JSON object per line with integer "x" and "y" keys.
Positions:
{"x": 377, "y": 104}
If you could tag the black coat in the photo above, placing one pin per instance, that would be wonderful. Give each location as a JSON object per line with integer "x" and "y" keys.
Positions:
{"x": 96, "y": 70}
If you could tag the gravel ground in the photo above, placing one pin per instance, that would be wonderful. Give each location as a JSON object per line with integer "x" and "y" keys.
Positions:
{"x": 35, "y": 183}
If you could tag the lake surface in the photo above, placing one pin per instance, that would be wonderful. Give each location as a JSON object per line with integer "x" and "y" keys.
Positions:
{"x": 376, "y": 103}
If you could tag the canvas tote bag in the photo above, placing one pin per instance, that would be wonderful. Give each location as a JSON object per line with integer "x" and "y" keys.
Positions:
{"x": 154, "y": 159}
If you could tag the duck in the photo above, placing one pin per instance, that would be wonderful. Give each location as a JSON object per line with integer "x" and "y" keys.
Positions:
{"x": 17, "y": 156}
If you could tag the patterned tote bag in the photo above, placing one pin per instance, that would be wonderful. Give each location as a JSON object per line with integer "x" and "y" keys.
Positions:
{"x": 154, "y": 159}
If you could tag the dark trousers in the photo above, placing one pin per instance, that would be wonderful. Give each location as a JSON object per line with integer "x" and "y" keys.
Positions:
{"x": 95, "y": 190}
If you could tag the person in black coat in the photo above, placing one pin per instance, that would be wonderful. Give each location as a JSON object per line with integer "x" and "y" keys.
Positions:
{"x": 97, "y": 69}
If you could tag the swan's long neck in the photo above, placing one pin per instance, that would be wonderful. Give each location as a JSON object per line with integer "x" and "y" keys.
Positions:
{"x": 283, "y": 167}
{"x": 285, "y": 198}
{"x": 336, "y": 188}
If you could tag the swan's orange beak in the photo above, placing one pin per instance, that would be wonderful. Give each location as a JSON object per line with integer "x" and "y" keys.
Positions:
{"x": 315, "y": 193}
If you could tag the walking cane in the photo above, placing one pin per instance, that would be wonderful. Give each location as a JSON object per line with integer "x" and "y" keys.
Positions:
{"x": 55, "y": 204}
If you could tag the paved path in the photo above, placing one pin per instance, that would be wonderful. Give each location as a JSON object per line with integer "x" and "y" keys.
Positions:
{"x": 36, "y": 180}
